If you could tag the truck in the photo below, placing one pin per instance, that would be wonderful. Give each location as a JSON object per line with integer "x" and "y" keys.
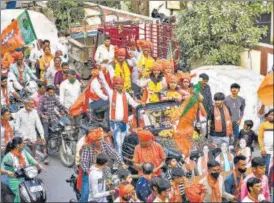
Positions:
{"x": 121, "y": 26}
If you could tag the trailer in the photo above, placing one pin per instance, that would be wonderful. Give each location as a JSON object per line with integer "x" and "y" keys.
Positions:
{"x": 121, "y": 26}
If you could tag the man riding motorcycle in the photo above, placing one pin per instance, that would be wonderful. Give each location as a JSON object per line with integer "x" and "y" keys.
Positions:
{"x": 20, "y": 74}
{"x": 47, "y": 109}
{"x": 20, "y": 158}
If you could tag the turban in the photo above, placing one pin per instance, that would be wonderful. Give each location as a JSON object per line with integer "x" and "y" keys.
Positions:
{"x": 118, "y": 80}
{"x": 17, "y": 55}
{"x": 144, "y": 44}
{"x": 5, "y": 64}
{"x": 119, "y": 51}
{"x": 125, "y": 189}
{"x": 94, "y": 135}
{"x": 145, "y": 135}
{"x": 165, "y": 63}
{"x": 195, "y": 192}
{"x": 183, "y": 76}
{"x": 172, "y": 78}
{"x": 156, "y": 66}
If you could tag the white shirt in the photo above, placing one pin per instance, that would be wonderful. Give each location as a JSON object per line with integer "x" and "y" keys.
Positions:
{"x": 50, "y": 74}
{"x": 97, "y": 185}
{"x": 96, "y": 88}
{"x": 28, "y": 122}
{"x": 102, "y": 53}
{"x": 69, "y": 92}
{"x": 62, "y": 45}
{"x": 260, "y": 198}
{"x": 119, "y": 113}
{"x": 35, "y": 54}
{"x": 10, "y": 90}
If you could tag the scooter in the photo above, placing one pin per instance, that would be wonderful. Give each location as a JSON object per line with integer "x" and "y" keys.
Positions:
{"x": 32, "y": 189}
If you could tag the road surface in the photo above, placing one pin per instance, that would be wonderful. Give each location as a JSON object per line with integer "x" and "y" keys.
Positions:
{"x": 54, "y": 178}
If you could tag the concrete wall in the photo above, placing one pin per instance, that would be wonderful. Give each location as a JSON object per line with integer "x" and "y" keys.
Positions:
{"x": 259, "y": 59}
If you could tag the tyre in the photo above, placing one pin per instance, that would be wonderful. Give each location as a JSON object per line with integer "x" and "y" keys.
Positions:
{"x": 68, "y": 156}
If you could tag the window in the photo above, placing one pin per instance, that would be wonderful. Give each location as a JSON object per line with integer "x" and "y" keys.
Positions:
{"x": 265, "y": 20}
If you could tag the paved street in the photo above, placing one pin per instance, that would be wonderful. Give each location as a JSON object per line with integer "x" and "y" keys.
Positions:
{"x": 57, "y": 188}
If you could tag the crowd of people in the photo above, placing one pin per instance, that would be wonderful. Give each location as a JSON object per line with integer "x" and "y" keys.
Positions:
{"x": 124, "y": 78}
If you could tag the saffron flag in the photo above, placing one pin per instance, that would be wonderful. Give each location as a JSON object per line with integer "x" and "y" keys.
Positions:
{"x": 170, "y": 55}
{"x": 265, "y": 91}
{"x": 18, "y": 33}
{"x": 193, "y": 100}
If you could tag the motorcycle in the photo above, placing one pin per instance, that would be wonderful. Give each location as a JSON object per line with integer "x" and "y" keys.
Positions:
{"x": 63, "y": 139}
{"x": 163, "y": 18}
{"x": 17, "y": 104}
{"x": 32, "y": 189}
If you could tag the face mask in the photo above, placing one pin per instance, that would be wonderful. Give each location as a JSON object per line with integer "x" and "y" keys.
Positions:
{"x": 72, "y": 80}
{"x": 65, "y": 72}
{"x": 126, "y": 198}
{"x": 20, "y": 148}
{"x": 242, "y": 170}
{"x": 215, "y": 175}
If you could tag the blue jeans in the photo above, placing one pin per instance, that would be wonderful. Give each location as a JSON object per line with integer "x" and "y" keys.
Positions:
{"x": 267, "y": 162}
{"x": 85, "y": 188}
{"x": 11, "y": 5}
{"x": 119, "y": 130}
{"x": 236, "y": 133}
{"x": 98, "y": 104}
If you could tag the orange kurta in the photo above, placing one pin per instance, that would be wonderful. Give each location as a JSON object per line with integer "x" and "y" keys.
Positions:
{"x": 154, "y": 154}
{"x": 176, "y": 195}
{"x": 185, "y": 128}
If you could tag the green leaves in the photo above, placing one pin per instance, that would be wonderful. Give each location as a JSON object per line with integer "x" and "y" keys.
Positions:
{"x": 61, "y": 12}
{"x": 216, "y": 32}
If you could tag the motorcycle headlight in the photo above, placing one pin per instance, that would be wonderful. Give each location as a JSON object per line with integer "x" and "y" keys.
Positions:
{"x": 31, "y": 172}
{"x": 68, "y": 128}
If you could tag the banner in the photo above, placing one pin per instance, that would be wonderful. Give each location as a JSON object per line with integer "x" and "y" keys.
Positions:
{"x": 18, "y": 33}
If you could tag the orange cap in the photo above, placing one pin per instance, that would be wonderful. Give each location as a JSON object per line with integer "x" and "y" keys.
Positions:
{"x": 156, "y": 66}
{"x": 5, "y": 64}
{"x": 145, "y": 135}
{"x": 17, "y": 55}
{"x": 172, "y": 79}
{"x": 94, "y": 135}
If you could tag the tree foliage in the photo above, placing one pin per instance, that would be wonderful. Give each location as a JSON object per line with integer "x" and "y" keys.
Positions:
{"x": 216, "y": 32}
{"x": 61, "y": 13}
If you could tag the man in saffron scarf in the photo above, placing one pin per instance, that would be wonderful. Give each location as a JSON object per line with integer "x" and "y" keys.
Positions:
{"x": 121, "y": 68}
{"x": 92, "y": 146}
{"x": 20, "y": 72}
{"x": 19, "y": 158}
{"x": 118, "y": 103}
{"x": 5, "y": 67}
{"x": 6, "y": 91}
{"x": 233, "y": 182}
{"x": 126, "y": 193}
{"x": 220, "y": 124}
{"x": 213, "y": 184}
{"x": 148, "y": 151}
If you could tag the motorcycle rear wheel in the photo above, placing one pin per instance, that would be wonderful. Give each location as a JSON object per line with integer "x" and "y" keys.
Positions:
{"x": 68, "y": 159}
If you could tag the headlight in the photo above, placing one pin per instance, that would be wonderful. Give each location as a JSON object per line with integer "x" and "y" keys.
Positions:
{"x": 68, "y": 128}
{"x": 31, "y": 172}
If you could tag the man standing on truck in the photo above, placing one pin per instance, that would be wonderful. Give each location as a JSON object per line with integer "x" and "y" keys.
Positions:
{"x": 104, "y": 56}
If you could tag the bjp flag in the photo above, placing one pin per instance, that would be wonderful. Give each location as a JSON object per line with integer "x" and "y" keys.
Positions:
{"x": 18, "y": 33}
{"x": 265, "y": 91}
